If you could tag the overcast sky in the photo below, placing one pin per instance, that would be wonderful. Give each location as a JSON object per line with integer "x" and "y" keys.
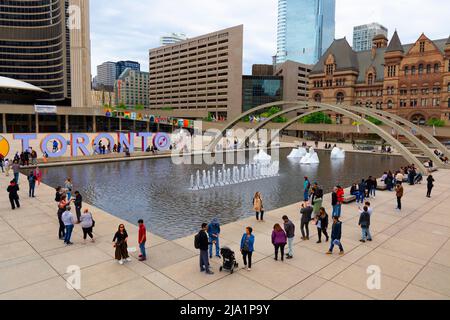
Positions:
{"x": 127, "y": 29}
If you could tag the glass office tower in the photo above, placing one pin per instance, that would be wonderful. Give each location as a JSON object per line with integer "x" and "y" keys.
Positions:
{"x": 306, "y": 29}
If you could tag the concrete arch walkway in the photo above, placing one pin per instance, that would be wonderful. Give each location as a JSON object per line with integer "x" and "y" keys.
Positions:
{"x": 422, "y": 146}
{"x": 337, "y": 109}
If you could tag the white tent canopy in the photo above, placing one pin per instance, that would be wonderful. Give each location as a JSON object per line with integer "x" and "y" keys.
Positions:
{"x": 9, "y": 83}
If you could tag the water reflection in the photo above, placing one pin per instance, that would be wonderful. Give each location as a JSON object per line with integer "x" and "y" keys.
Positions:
{"x": 158, "y": 190}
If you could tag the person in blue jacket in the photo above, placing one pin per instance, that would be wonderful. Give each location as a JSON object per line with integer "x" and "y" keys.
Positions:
{"x": 336, "y": 235}
{"x": 247, "y": 247}
{"x": 214, "y": 234}
{"x": 306, "y": 189}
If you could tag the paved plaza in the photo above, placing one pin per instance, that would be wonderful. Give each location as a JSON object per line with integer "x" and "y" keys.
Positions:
{"x": 411, "y": 248}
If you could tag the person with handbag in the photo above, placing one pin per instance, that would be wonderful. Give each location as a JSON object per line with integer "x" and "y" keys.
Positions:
{"x": 258, "y": 206}
{"x": 87, "y": 224}
{"x": 120, "y": 241}
{"x": 247, "y": 248}
{"x": 336, "y": 236}
{"x": 322, "y": 225}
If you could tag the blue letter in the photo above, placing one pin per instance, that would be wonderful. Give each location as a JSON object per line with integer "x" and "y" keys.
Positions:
{"x": 25, "y": 139}
{"x": 145, "y": 136}
{"x": 79, "y": 145}
{"x": 50, "y": 153}
{"x": 129, "y": 143}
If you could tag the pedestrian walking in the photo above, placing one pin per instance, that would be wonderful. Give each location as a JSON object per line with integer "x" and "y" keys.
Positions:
{"x": 62, "y": 204}
{"x": 214, "y": 234}
{"x": 364, "y": 223}
{"x": 69, "y": 221}
{"x": 2, "y": 162}
{"x": 279, "y": 241}
{"x": 7, "y": 167}
{"x": 317, "y": 199}
{"x": 120, "y": 241}
{"x": 289, "y": 228}
{"x": 306, "y": 212}
{"x": 202, "y": 243}
{"x": 258, "y": 206}
{"x": 38, "y": 175}
{"x": 336, "y": 235}
{"x": 247, "y": 248}
{"x": 13, "y": 190}
{"x": 430, "y": 185}
{"x": 306, "y": 189}
{"x": 399, "y": 193}
{"x": 87, "y": 224}
{"x": 78, "y": 202}
{"x": 16, "y": 170}
{"x": 68, "y": 186}
{"x": 322, "y": 225}
{"x": 31, "y": 184}
{"x": 142, "y": 240}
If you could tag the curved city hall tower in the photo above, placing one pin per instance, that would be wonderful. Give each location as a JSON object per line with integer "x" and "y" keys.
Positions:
{"x": 46, "y": 43}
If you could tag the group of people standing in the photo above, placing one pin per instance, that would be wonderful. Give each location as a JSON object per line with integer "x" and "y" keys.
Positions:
{"x": 66, "y": 219}
{"x": 365, "y": 189}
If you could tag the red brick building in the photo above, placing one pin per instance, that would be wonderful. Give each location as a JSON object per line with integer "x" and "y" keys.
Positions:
{"x": 410, "y": 80}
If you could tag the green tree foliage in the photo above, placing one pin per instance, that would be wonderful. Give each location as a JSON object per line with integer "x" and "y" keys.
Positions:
{"x": 374, "y": 121}
{"x": 433, "y": 122}
{"x": 317, "y": 118}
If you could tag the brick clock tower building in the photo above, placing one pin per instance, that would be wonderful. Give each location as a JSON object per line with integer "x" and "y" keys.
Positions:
{"x": 412, "y": 81}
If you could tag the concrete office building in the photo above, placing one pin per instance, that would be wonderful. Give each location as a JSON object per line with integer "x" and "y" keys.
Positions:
{"x": 46, "y": 44}
{"x": 295, "y": 80}
{"x": 172, "y": 38}
{"x": 306, "y": 28}
{"x": 199, "y": 76}
{"x": 106, "y": 74}
{"x": 363, "y": 35}
{"x": 132, "y": 89}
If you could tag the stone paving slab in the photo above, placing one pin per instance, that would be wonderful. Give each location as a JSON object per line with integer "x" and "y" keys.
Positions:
{"x": 412, "y": 249}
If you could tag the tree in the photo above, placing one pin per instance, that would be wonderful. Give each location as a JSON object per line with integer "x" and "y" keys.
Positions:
{"x": 317, "y": 118}
{"x": 139, "y": 107}
{"x": 374, "y": 121}
{"x": 433, "y": 122}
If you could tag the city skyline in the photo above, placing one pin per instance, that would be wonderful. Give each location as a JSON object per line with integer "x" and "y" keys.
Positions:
{"x": 149, "y": 20}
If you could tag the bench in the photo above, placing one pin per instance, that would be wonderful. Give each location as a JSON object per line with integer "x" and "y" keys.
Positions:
{"x": 349, "y": 199}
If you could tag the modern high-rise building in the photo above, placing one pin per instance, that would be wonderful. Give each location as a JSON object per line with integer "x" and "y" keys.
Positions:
{"x": 132, "y": 89}
{"x": 121, "y": 66}
{"x": 106, "y": 74}
{"x": 199, "y": 76}
{"x": 46, "y": 43}
{"x": 363, "y": 35}
{"x": 172, "y": 38}
{"x": 306, "y": 28}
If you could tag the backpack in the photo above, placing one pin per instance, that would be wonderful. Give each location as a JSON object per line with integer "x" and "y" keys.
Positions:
{"x": 58, "y": 197}
{"x": 197, "y": 241}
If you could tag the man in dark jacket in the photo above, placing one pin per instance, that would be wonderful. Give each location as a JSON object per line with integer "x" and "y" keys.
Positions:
{"x": 336, "y": 235}
{"x": 289, "y": 228}
{"x": 306, "y": 213}
{"x": 364, "y": 223}
{"x": 214, "y": 233}
{"x": 204, "y": 246}
{"x": 78, "y": 201}
{"x": 13, "y": 190}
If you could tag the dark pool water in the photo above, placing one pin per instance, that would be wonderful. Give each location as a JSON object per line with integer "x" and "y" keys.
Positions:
{"x": 158, "y": 190}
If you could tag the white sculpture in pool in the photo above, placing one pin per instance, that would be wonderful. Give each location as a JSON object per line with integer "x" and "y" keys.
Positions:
{"x": 337, "y": 153}
{"x": 310, "y": 158}
{"x": 297, "y": 153}
{"x": 262, "y": 156}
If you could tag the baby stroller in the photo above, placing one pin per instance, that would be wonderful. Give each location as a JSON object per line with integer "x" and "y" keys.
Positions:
{"x": 229, "y": 260}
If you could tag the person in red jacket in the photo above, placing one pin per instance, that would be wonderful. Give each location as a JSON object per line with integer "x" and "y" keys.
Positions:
{"x": 337, "y": 209}
{"x": 142, "y": 240}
